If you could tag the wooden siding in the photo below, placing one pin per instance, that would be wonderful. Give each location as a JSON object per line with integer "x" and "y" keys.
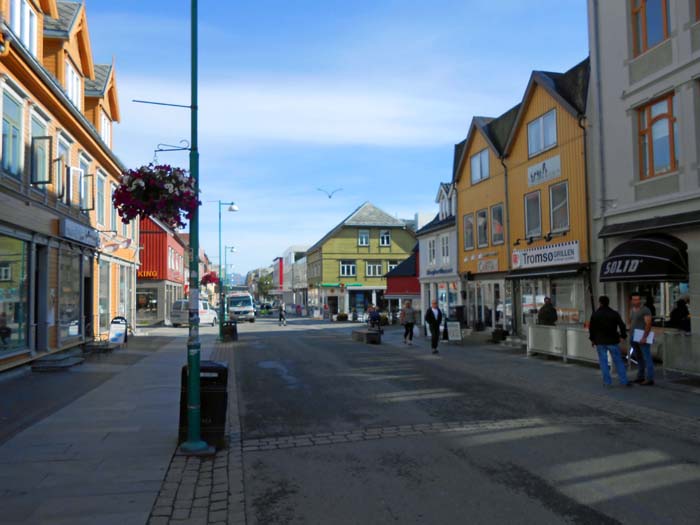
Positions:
{"x": 570, "y": 148}
{"x": 474, "y": 197}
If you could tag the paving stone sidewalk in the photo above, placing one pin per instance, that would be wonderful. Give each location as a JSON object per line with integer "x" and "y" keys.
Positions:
{"x": 207, "y": 490}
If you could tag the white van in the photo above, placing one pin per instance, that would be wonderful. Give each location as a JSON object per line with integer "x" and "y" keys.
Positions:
{"x": 180, "y": 313}
{"x": 241, "y": 307}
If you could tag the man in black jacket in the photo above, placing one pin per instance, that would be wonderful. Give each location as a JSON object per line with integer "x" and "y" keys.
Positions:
{"x": 433, "y": 318}
{"x": 605, "y": 331}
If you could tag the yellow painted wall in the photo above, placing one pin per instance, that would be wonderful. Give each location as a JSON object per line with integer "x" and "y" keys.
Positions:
{"x": 570, "y": 148}
{"x": 474, "y": 197}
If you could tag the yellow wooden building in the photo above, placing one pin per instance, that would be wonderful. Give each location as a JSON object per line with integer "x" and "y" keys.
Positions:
{"x": 67, "y": 263}
{"x": 545, "y": 158}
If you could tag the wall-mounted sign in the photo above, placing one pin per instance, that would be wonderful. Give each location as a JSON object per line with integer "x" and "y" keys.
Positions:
{"x": 147, "y": 274}
{"x": 551, "y": 255}
{"x": 487, "y": 265}
{"x": 79, "y": 232}
{"x": 440, "y": 271}
{"x": 548, "y": 169}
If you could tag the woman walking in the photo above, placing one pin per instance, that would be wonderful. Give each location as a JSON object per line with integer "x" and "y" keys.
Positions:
{"x": 408, "y": 320}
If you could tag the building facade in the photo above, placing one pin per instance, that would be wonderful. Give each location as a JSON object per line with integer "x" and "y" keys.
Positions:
{"x": 644, "y": 142}
{"x": 161, "y": 277}
{"x": 67, "y": 263}
{"x": 346, "y": 269}
{"x": 294, "y": 287}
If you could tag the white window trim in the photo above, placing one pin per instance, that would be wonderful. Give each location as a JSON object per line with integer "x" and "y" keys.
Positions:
{"x": 464, "y": 232}
{"x": 351, "y": 266}
{"x": 101, "y": 178}
{"x": 432, "y": 252}
{"x": 556, "y": 134}
{"x": 479, "y": 244}
{"x": 382, "y": 235}
{"x": 503, "y": 235}
{"x": 373, "y": 269}
{"x": 359, "y": 238}
{"x": 73, "y": 83}
{"x": 482, "y": 176}
{"x": 6, "y": 272}
{"x": 551, "y": 208}
{"x": 539, "y": 203}
{"x": 60, "y": 140}
{"x": 105, "y": 128}
{"x": 23, "y": 22}
{"x": 445, "y": 249}
{"x": 113, "y": 215}
{"x": 20, "y": 99}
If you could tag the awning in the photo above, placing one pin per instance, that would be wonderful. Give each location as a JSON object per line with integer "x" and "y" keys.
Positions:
{"x": 548, "y": 271}
{"x": 666, "y": 223}
{"x": 653, "y": 257}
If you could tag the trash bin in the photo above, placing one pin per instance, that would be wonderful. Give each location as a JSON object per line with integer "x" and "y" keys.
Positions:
{"x": 229, "y": 331}
{"x": 213, "y": 377}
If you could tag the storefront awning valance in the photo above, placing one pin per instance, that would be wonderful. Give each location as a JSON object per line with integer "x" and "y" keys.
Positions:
{"x": 547, "y": 271}
{"x": 654, "y": 257}
{"x": 666, "y": 223}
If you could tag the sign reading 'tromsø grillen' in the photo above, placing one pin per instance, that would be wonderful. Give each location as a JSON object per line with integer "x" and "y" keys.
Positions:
{"x": 552, "y": 255}
{"x": 548, "y": 169}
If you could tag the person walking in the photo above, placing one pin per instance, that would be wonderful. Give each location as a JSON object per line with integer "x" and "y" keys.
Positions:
{"x": 640, "y": 319}
{"x": 547, "y": 315}
{"x": 606, "y": 330}
{"x": 433, "y": 317}
{"x": 408, "y": 320}
{"x": 282, "y": 314}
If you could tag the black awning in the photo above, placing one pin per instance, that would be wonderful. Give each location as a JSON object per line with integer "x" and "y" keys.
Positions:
{"x": 653, "y": 257}
{"x": 547, "y": 271}
{"x": 666, "y": 223}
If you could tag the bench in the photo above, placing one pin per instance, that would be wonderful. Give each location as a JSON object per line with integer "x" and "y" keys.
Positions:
{"x": 369, "y": 336}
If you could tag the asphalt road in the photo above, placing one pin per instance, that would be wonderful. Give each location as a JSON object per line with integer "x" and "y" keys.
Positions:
{"x": 340, "y": 432}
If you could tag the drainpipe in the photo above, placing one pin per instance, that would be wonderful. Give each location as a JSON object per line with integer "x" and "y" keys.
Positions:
{"x": 582, "y": 125}
{"x": 508, "y": 245}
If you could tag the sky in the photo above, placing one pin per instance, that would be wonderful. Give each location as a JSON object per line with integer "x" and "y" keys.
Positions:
{"x": 369, "y": 96}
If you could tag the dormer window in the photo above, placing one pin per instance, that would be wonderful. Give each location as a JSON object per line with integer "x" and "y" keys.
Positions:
{"x": 73, "y": 84}
{"x": 23, "y": 22}
{"x": 106, "y": 129}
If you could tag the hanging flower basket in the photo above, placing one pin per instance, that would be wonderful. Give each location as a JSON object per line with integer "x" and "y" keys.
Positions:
{"x": 162, "y": 191}
{"x": 209, "y": 278}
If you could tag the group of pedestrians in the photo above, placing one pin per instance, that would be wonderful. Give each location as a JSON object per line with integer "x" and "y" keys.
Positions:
{"x": 433, "y": 318}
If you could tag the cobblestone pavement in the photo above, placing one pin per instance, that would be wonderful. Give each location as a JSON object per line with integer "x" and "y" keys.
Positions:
{"x": 207, "y": 490}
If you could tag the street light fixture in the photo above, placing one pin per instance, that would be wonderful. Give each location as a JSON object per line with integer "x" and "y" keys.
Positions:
{"x": 232, "y": 206}
{"x": 227, "y": 249}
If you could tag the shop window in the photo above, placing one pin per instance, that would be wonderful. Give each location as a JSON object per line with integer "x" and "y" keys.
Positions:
{"x": 385, "y": 238}
{"x": 103, "y": 300}
{"x": 559, "y": 202}
{"x": 374, "y": 269}
{"x": 431, "y": 251}
{"x": 14, "y": 287}
{"x": 542, "y": 133}
{"x": 568, "y": 298}
{"x": 651, "y": 23}
{"x": 69, "y": 294}
{"x": 658, "y": 138}
{"x": 147, "y": 305}
{"x": 469, "y": 231}
{"x": 482, "y": 228}
{"x": 23, "y": 21}
{"x": 101, "y": 183}
{"x": 11, "y": 135}
{"x": 348, "y": 269}
{"x": 533, "y": 217}
{"x": 480, "y": 166}
{"x": 363, "y": 238}
{"x": 497, "y": 234}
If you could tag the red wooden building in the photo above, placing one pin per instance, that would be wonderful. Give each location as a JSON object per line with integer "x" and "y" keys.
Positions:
{"x": 402, "y": 283}
{"x": 161, "y": 276}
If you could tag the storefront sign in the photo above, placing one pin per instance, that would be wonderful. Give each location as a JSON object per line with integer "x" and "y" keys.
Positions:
{"x": 487, "y": 265}
{"x": 440, "y": 271}
{"x": 148, "y": 274}
{"x": 561, "y": 253}
{"x": 79, "y": 232}
{"x": 543, "y": 171}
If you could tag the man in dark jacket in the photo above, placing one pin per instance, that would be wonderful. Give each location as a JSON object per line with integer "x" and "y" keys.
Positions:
{"x": 605, "y": 331}
{"x": 547, "y": 314}
{"x": 433, "y": 318}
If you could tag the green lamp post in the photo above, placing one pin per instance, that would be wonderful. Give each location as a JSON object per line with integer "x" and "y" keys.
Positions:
{"x": 231, "y": 207}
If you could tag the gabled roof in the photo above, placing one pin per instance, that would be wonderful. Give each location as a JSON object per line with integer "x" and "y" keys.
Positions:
{"x": 570, "y": 89}
{"x": 406, "y": 268}
{"x": 459, "y": 151}
{"x": 436, "y": 224}
{"x": 72, "y": 19}
{"x": 486, "y": 126}
{"x": 367, "y": 214}
{"x": 444, "y": 189}
{"x": 499, "y": 129}
{"x": 98, "y": 86}
{"x": 49, "y": 8}
{"x": 67, "y": 16}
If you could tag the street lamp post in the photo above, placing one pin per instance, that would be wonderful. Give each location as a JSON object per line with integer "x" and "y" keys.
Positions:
{"x": 231, "y": 207}
{"x": 232, "y": 249}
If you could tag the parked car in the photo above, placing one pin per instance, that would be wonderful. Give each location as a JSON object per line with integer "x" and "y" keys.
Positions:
{"x": 180, "y": 313}
{"x": 240, "y": 307}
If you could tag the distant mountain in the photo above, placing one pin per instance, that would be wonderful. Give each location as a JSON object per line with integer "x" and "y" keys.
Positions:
{"x": 236, "y": 278}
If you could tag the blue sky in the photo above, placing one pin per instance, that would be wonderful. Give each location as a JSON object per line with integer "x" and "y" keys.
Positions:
{"x": 368, "y": 96}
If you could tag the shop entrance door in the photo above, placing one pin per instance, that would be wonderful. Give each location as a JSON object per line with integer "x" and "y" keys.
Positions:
{"x": 41, "y": 300}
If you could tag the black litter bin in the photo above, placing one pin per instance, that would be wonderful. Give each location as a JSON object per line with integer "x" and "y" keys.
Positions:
{"x": 229, "y": 331}
{"x": 213, "y": 377}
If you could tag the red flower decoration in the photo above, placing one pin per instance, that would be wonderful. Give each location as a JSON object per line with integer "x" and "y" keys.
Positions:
{"x": 209, "y": 278}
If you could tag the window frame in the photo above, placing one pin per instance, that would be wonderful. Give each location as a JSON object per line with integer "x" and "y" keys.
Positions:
{"x": 647, "y": 131}
{"x": 384, "y": 235}
{"x": 479, "y": 244}
{"x": 541, "y": 120}
{"x": 445, "y": 249}
{"x": 480, "y": 155}
{"x": 551, "y": 208}
{"x": 351, "y": 265}
{"x": 360, "y": 237}
{"x": 20, "y": 136}
{"x": 529, "y": 235}
{"x": 374, "y": 265}
{"x": 432, "y": 251}
{"x": 503, "y": 228}
{"x": 105, "y": 128}
{"x": 391, "y": 265}
{"x": 34, "y": 148}
{"x": 114, "y": 219}
{"x": 74, "y": 83}
{"x": 63, "y": 184}
{"x": 100, "y": 200}
{"x": 5, "y": 271}
{"x": 641, "y": 10}
{"x": 23, "y": 22}
{"x": 471, "y": 230}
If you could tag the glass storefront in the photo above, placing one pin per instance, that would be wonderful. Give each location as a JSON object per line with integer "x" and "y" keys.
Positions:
{"x": 70, "y": 294}
{"x": 14, "y": 287}
{"x": 488, "y": 305}
{"x": 103, "y": 296}
{"x": 147, "y": 305}
{"x": 567, "y": 294}
{"x": 123, "y": 307}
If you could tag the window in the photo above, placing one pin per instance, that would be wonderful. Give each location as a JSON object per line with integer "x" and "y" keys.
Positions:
{"x": 431, "y": 251}
{"x": 101, "y": 182}
{"x": 559, "y": 202}
{"x": 480, "y": 166}
{"x": 445, "y": 249}
{"x": 23, "y": 22}
{"x": 658, "y": 144}
{"x": 533, "y": 218}
{"x": 40, "y": 151}
{"x": 348, "y": 268}
{"x": 5, "y": 271}
{"x": 106, "y": 129}
{"x": 497, "y": 224}
{"x": 63, "y": 185}
{"x": 11, "y": 135}
{"x": 374, "y": 269}
{"x": 113, "y": 188}
{"x": 542, "y": 133}
{"x": 469, "y": 231}
{"x": 363, "y": 238}
{"x": 73, "y": 84}
{"x": 84, "y": 185}
{"x": 651, "y": 23}
{"x": 125, "y": 229}
{"x": 70, "y": 281}
{"x": 482, "y": 228}
{"x": 385, "y": 238}
{"x": 392, "y": 265}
